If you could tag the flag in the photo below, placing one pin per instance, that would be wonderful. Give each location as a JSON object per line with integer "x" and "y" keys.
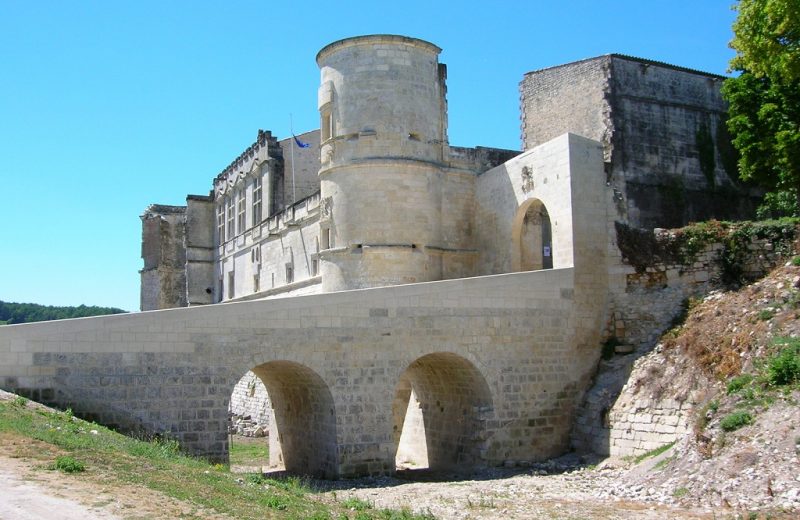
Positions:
{"x": 300, "y": 144}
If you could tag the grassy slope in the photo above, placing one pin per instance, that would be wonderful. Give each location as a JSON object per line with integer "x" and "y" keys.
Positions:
{"x": 159, "y": 465}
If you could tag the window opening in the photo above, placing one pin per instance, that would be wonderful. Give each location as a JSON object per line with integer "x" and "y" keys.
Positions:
{"x": 289, "y": 273}
{"x": 256, "y": 201}
{"x": 231, "y": 232}
{"x": 241, "y": 211}
{"x": 221, "y": 222}
{"x": 327, "y": 241}
{"x": 231, "y": 279}
{"x": 326, "y": 124}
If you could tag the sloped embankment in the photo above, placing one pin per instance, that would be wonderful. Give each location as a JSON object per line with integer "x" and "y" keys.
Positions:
{"x": 728, "y": 383}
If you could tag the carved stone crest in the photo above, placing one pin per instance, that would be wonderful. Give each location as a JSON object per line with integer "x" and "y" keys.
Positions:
{"x": 527, "y": 179}
{"x": 325, "y": 208}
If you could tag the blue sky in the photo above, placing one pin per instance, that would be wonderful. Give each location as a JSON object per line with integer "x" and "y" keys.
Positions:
{"x": 108, "y": 106}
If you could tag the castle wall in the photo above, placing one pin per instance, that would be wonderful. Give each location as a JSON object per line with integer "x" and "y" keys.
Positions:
{"x": 163, "y": 276}
{"x": 306, "y": 166}
{"x": 174, "y": 371}
{"x": 567, "y": 98}
{"x": 671, "y": 150}
{"x": 199, "y": 244}
{"x": 669, "y": 157}
{"x": 282, "y": 251}
{"x": 383, "y": 172}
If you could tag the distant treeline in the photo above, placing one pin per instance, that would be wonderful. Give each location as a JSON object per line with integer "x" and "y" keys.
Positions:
{"x": 11, "y": 313}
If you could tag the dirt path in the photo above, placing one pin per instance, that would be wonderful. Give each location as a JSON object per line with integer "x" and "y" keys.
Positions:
{"x": 521, "y": 496}
{"x": 26, "y": 496}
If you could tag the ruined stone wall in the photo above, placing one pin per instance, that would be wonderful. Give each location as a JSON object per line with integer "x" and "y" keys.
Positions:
{"x": 250, "y": 399}
{"x": 615, "y": 418}
{"x": 672, "y": 155}
{"x": 163, "y": 276}
{"x": 567, "y": 98}
{"x": 654, "y": 294}
{"x": 669, "y": 158}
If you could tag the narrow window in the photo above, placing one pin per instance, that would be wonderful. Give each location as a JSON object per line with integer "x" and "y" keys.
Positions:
{"x": 289, "y": 273}
{"x": 256, "y": 201}
{"x": 221, "y": 222}
{"x": 326, "y": 124}
{"x": 327, "y": 241}
{"x": 241, "y": 211}
{"x": 231, "y": 232}
{"x": 231, "y": 279}
{"x": 256, "y": 283}
{"x": 220, "y": 289}
{"x": 315, "y": 258}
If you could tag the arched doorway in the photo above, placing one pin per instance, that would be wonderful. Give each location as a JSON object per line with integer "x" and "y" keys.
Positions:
{"x": 533, "y": 238}
{"x": 302, "y": 428}
{"x": 441, "y": 404}
{"x": 249, "y": 416}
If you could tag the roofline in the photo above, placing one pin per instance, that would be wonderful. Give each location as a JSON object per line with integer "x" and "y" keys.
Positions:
{"x": 376, "y": 38}
{"x": 631, "y": 58}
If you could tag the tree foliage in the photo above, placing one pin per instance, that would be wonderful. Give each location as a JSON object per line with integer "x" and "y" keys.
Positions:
{"x": 767, "y": 39}
{"x": 12, "y": 313}
{"x": 764, "y": 100}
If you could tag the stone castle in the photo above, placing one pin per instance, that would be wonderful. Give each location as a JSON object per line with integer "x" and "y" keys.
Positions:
{"x": 448, "y": 304}
{"x": 379, "y": 197}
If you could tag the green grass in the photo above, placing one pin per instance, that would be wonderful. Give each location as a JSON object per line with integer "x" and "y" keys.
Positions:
{"x": 652, "y": 453}
{"x": 249, "y": 453}
{"x": 735, "y": 420}
{"x": 68, "y": 464}
{"x": 160, "y": 465}
{"x": 783, "y": 369}
{"x": 680, "y": 492}
{"x": 738, "y": 383}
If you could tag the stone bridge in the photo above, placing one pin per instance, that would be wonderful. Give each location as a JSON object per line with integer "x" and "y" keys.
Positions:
{"x": 473, "y": 371}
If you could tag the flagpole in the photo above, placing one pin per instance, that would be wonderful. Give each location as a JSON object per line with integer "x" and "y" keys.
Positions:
{"x": 291, "y": 145}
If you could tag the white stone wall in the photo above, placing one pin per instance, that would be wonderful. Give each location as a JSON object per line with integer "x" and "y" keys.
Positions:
{"x": 514, "y": 344}
{"x": 250, "y": 398}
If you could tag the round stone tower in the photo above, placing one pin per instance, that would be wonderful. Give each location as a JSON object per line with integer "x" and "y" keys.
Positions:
{"x": 383, "y": 149}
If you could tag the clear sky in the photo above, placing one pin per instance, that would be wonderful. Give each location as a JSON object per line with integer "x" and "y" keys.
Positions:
{"x": 107, "y": 106}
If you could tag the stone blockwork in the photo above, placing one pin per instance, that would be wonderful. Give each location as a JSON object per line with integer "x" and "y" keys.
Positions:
{"x": 615, "y": 418}
{"x": 332, "y": 364}
{"x": 250, "y": 399}
{"x": 496, "y": 363}
{"x": 164, "y": 254}
{"x": 652, "y": 296}
{"x": 667, "y": 152}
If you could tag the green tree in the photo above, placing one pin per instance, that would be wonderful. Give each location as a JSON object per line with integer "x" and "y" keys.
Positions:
{"x": 764, "y": 100}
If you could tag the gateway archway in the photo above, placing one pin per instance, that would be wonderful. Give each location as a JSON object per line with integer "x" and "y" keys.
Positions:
{"x": 439, "y": 411}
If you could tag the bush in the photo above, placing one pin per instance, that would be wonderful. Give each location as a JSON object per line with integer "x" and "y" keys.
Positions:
{"x": 738, "y": 382}
{"x": 68, "y": 464}
{"x": 784, "y": 368}
{"x": 735, "y": 420}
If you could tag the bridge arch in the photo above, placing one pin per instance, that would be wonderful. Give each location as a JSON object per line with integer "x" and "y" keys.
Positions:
{"x": 440, "y": 404}
{"x": 302, "y": 430}
{"x": 532, "y": 237}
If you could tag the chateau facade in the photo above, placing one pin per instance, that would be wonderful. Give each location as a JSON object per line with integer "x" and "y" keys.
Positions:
{"x": 379, "y": 197}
